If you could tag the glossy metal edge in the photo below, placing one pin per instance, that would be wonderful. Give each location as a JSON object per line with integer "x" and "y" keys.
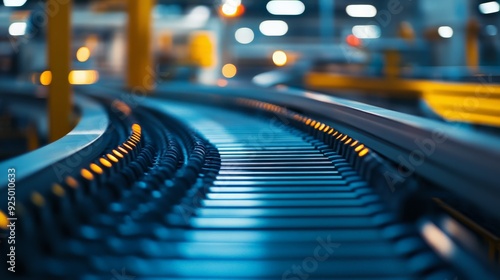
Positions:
{"x": 91, "y": 127}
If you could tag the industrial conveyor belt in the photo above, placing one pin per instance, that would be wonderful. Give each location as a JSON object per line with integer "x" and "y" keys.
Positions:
{"x": 282, "y": 205}
{"x": 190, "y": 191}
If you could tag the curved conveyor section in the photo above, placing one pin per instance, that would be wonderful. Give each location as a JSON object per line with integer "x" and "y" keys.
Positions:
{"x": 233, "y": 189}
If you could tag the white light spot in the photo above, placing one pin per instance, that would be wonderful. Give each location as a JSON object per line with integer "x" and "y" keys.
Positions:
{"x": 445, "y": 31}
{"x": 244, "y": 35}
{"x": 285, "y": 7}
{"x": 280, "y": 58}
{"x": 14, "y": 3}
{"x": 361, "y": 10}
{"x": 17, "y": 29}
{"x": 366, "y": 31}
{"x": 273, "y": 27}
{"x": 437, "y": 239}
{"x": 229, "y": 10}
{"x": 489, "y": 7}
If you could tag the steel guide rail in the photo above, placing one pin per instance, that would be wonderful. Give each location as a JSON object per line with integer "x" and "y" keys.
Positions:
{"x": 77, "y": 146}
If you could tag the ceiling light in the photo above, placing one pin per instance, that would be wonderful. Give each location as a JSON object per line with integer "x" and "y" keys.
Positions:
{"x": 361, "y": 10}
{"x": 273, "y": 27}
{"x": 285, "y": 7}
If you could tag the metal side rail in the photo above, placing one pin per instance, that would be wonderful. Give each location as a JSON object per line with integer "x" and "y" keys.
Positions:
{"x": 78, "y": 145}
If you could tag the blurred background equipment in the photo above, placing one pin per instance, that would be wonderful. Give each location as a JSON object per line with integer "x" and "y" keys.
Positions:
{"x": 249, "y": 139}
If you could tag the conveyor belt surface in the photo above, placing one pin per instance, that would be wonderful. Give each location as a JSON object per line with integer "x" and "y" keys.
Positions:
{"x": 198, "y": 192}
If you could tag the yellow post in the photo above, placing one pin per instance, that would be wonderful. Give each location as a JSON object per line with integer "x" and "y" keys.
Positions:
{"x": 392, "y": 60}
{"x": 406, "y": 31}
{"x": 59, "y": 63}
{"x": 140, "y": 71}
{"x": 472, "y": 44}
{"x": 201, "y": 49}
{"x": 32, "y": 137}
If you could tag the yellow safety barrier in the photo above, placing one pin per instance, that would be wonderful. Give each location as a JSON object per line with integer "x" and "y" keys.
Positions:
{"x": 472, "y": 31}
{"x": 477, "y": 103}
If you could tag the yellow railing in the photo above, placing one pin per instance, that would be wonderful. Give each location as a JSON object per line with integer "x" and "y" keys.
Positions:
{"x": 477, "y": 103}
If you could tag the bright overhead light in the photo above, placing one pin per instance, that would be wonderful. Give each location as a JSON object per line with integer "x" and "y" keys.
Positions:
{"x": 232, "y": 8}
{"x": 17, "y": 29}
{"x": 83, "y": 77}
{"x": 14, "y": 3}
{"x": 366, "y": 31}
{"x": 280, "y": 58}
{"x": 83, "y": 54}
{"x": 361, "y": 11}
{"x": 46, "y": 78}
{"x": 285, "y": 7}
{"x": 229, "y": 9}
{"x": 445, "y": 31}
{"x": 244, "y": 35}
{"x": 273, "y": 27}
{"x": 489, "y": 7}
{"x": 229, "y": 70}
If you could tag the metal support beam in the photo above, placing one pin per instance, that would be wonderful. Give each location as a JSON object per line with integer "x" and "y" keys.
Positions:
{"x": 326, "y": 15}
{"x": 472, "y": 44}
{"x": 140, "y": 70}
{"x": 59, "y": 63}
